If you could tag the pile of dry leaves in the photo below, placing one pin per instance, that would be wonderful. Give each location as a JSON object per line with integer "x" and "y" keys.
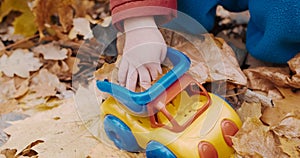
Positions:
{"x": 39, "y": 44}
{"x": 48, "y": 51}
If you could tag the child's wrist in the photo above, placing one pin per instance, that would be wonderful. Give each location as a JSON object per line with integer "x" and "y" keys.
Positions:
{"x": 139, "y": 22}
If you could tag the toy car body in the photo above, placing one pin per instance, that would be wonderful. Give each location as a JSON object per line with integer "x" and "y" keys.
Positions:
{"x": 183, "y": 120}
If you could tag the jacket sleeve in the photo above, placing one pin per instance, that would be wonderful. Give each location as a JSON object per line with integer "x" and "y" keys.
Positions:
{"x": 162, "y": 10}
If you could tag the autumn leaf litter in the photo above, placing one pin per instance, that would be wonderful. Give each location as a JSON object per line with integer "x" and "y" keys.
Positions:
{"x": 40, "y": 118}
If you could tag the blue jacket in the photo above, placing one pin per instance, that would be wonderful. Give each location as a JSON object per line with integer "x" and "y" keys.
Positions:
{"x": 273, "y": 33}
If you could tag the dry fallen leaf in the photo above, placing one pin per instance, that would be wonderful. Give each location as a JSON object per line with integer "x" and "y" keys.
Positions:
{"x": 31, "y": 105}
{"x": 273, "y": 115}
{"x": 254, "y": 138}
{"x": 275, "y": 75}
{"x": 21, "y": 62}
{"x": 9, "y": 153}
{"x": 23, "y": 24}
{"x": 60, "y": 128}
{"x": 46, "y": 84}
{"x": 27, "y": 152}
{"x": 8, "y": 95}
{"x": 2, "y": 47}
{"x": 249, "y": 110}
{"x": 51, "y": 51}
{"x": 239, "y": 18}
{"x": 199, "y": 68}
{"x": 60, "y": 68}
{"x": 81, "y": 27}
{"x": 8, "y": 106}
{"x": 266, "y": 78}
{"x": 66, "y": 14}
{"x": 3, "y": 138}
{"x": 44, "y": 10}
{"x": 30, "y": 100}
{"x": 275, "y": 94}
{"x": 22, "y": 88}
{"x": 63, "y": 131}
{"x": 290, "y": 146}
{"x": 294, "y": 64}
{"x": 106, "y": 21}
{"x": 9, "y": 35}
{"x": 83, "y": 7}
{"x": 72, "y": 63}
{"x": 288, "y": 127}
{"x": 256, "y": 82}
{"x": 212, "y": 58}
{"x": 8, "y": 90}
{"x": 107, "y": 71}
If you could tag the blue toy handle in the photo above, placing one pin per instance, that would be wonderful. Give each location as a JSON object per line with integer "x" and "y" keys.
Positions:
{"x": 135, "y": 102}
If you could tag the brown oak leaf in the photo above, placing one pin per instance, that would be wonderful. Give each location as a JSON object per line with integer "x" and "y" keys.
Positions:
{"x": 20, "y": 62}
{"x": 46, "y": 84}
{"x": 254, "y": 139}
{"x": 282, "y": 107}
{"x": 51, "y": 51}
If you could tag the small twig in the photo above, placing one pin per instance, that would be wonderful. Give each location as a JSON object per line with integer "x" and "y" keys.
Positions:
{"x": 19, "y": 42}
{"x": 241, "y": 91}
{"x": 251, "y": 96}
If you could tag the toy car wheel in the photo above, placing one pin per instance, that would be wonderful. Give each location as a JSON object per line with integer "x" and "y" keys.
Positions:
{"x": 120, "y": 134}
{"x": 155, "y": 149}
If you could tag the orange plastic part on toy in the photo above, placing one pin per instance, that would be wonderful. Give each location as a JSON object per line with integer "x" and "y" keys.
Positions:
{"x": 159, "y": 103}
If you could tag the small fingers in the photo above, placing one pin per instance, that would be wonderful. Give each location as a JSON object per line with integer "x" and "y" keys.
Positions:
{"x": 154, "y": 69}
{"x": 122, "y": 73}
{"x": 131, "y": 78}
{"x": 144, "y": 77}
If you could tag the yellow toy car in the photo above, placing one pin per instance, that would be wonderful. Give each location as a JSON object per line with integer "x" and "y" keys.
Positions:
{"x": 176, "y": 118}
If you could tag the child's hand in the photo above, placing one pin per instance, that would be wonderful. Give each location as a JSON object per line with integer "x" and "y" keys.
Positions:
{"x": 144, "y": 51}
